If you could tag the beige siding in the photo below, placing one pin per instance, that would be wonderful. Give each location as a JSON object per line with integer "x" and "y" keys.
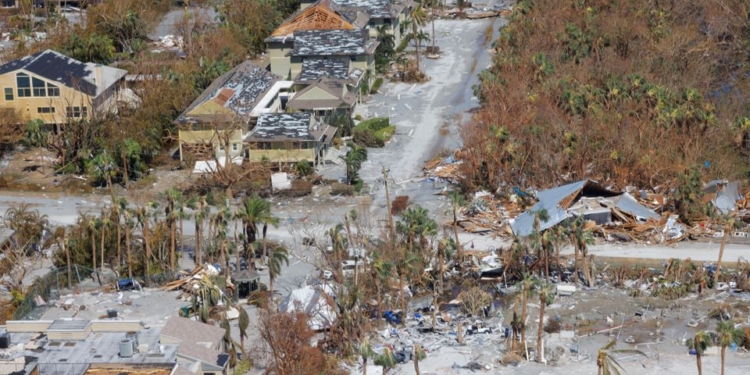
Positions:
{"x": 282, "y": 156}
{"x": 28, "y": 326}
{"x": 316, "y": 93}
{"x": 116, "y": 325}
{"x": 28, "y": 107}
{"x": 280, "y": 64}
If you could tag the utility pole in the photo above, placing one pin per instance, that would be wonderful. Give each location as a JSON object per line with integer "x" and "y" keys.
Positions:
{"x": 388, "y": 204}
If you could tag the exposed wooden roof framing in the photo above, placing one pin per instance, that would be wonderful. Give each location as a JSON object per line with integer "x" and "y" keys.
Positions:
{"x": 317, "y": 17}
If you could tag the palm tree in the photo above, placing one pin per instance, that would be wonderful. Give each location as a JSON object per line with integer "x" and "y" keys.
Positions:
{"x": 546, "y": 295}
{"x": 278, "y": 256}
{"x": 457, "y": 201}
{"x": 365, "y": 351}
{"x": 174, "y": 197}
{"x": 381, "y": 270}
{"x": 526, "y": 283}
{"x": 387, "y": 360}
{"x": 730, "y": 223}
{"x": 243, "y": 324}
{"x": 418, "y": 356}
{"x": 700, "y": 342}
{"x": 143, "y": 215}
{"x": 354, "y": 159}
{"x": 92, "y": 238}
{"x": 405, "y": 267}
{"x": 126, "y": 213}
{"x": 418, "y": 18}
{"x": 254, "y": 211}
{"x": 726, "y": 334}
{"x": 606, "y": 361}
{"x": 580, "y": 237}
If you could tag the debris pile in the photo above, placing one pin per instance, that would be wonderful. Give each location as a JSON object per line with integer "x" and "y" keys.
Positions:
{"x": 191, "y": 284}
{"x": 628, "y": 216}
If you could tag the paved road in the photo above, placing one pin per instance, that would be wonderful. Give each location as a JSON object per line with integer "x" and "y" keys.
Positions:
{"x": 420, "y": 110}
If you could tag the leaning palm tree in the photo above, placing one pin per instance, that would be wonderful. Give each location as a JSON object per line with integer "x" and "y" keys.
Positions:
{"x": 365, "y": 351}
{"x": 279, "y": 256}
{"x": 729, "y": 226}
{"x": 726, "y": 334}
{"x": 607, "y": 362}
{"x": 700, "y": 342}
{"x": 546, "y": 295}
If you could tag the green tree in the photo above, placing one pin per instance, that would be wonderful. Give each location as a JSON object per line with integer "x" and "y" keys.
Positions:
{"x": 354, "y": 159}
{"x": 36, "y": 136}
{"x": 255, "y": 211}
{"x": 385, "y": 49}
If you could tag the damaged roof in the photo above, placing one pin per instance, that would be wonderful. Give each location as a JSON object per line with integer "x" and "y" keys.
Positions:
{"x": 724, "y": 194}
{"x": 558, "y": 202}
{"x": 375, "y": 8}
{"x": 283, "y": 125}
{"x": 233, "y": 94}
{"x": 316, "y": 68}
{"x": 330, "y": 43}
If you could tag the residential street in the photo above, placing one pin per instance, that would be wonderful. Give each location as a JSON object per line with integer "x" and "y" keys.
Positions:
{"x": 420, "y": 110}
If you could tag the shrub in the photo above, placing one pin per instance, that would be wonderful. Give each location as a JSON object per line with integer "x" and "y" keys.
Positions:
{"x": 373, "y": 132}
{"x": 399, "y": 204}
{"x": 342, "y": 189}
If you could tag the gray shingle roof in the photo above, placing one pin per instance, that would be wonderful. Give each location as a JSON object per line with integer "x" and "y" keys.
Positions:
{"x": 238, "y": 90}
{"x": 293, "y": 126}
{"x": 69, "y": 72}
{"x": 375, "y": 8}
{"x": 313, "y": 69}
{"x": 330, "y": 43}
{"x": 190, "y": 331}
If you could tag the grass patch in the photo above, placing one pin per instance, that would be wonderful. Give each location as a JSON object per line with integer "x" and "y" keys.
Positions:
{"x": 373, "y": 132}
{"x": 376, "y": 85}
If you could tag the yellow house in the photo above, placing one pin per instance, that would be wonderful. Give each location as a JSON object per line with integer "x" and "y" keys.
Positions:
{"x": 289, "y": 138}
{"x": 220, "y": 116}
{"x": 56, "y": 89}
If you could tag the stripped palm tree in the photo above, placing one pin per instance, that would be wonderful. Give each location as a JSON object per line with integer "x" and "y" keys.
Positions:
{"x": 606, "y": 361}
{"x": 546, "y": 295}
{"x": 418, "y": 19}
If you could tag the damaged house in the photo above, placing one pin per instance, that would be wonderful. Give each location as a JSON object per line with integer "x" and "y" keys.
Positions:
{"x": 583, "y": 198}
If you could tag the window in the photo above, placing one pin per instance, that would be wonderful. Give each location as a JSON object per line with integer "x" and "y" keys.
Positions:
{"x": 40, "y": 88}
{"x": 8, "y": 94}
{"x": 235, "y": 146}
{"x": 77, "y": 112}
{"x": 387, "y": 21}
{"x": 9, "y": 3}
{"x": 45, "y": 110}
{"x": 52, "y": 90}
{"x": 23, "y": 83}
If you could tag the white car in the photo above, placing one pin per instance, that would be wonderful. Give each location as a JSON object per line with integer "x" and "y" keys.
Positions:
{"x": 326, "y": 274}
